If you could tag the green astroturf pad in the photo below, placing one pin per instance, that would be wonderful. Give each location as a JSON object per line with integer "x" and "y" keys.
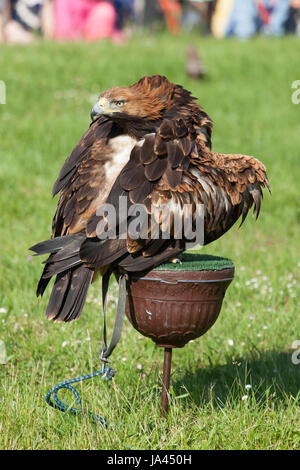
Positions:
{"x": 197, "y": 262}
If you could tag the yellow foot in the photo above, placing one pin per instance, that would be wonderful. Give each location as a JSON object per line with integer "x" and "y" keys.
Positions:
{"x": 175, "y": 260}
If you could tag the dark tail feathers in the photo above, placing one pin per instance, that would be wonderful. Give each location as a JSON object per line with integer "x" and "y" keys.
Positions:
{"x": 72, "y": 278}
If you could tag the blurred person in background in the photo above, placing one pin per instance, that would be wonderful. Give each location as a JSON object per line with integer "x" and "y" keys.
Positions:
{"x": 70, "y": 20}
{"x": 293, "y": 25}
{"x": 22, "y": 21}
{"x": 152, "y": 13}
{"x": 199, "y": 13}
{"x": 172, "y": 11}
{"x": 244, "y": 18}
{"x": 273, "y": 15}
{"x": 125, "y": 10}
{"x": 77, "y": 19}
{"x": 90, "y": 19}
{"x": 3, "y": 18}
{"x": 157, "y": 13}
{"x": 221, "y": 18}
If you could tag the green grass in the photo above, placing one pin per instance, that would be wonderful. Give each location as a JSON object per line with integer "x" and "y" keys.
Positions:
{"x": 248, "y": 94}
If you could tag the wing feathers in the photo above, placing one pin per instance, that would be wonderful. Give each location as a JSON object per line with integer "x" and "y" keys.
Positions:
{"x": 155, "y": 170}
{"x": 175, "y": 154}
{"x": 98, "y": 130}
{"x": 131, "y": 176}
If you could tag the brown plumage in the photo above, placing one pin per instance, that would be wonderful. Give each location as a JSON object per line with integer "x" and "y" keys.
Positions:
{"x": 151, "y": 143}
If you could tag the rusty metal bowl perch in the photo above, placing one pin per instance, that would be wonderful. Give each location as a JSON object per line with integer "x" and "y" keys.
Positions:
{"x": 176, "y": 303}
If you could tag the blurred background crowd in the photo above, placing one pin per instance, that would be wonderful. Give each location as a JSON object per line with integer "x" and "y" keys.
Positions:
{"x": 23, "y": 21}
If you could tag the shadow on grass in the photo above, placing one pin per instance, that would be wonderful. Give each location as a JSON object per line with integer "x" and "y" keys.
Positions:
{"x": 265, "y": 376}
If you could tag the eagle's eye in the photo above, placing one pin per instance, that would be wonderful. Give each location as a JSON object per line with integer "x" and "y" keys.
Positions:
{"x": 119, "y": 102}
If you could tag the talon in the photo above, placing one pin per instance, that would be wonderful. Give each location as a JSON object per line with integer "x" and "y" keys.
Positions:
{"x": 175, "y": 261}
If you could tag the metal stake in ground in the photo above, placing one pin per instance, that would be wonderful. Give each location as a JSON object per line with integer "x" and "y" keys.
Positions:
{"x": 166, "y": 380}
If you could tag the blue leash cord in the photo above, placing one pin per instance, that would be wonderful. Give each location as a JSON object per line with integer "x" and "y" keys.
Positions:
{"x": 107, "y": 374}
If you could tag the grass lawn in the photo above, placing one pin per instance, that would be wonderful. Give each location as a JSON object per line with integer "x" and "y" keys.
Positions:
{"x": 234, "y": 388}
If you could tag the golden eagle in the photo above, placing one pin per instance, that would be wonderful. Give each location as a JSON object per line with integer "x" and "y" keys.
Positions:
{"x": 151, "y": 143}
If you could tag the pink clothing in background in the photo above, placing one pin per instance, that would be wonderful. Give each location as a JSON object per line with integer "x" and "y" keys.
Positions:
{"x": 101, "y": 22}
{"x": 91, "y": 19}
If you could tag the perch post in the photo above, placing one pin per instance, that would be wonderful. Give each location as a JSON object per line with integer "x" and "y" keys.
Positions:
{"x": 176, "y": 303}
{"x": 166, "y": 380}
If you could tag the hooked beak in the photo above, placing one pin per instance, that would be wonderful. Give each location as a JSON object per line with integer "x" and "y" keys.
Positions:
{"x": 99, "y": 108}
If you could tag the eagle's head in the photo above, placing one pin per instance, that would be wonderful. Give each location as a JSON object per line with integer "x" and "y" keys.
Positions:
{"x": 150, "y": 98}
